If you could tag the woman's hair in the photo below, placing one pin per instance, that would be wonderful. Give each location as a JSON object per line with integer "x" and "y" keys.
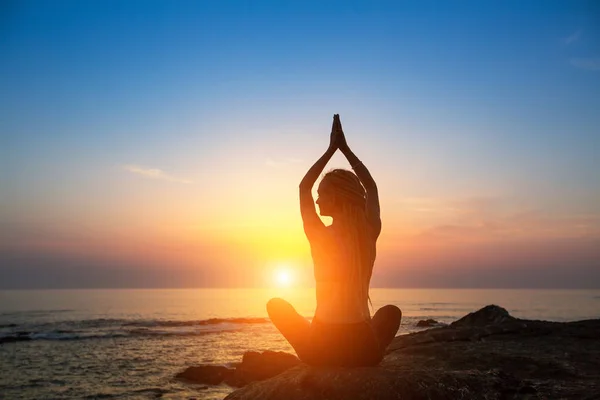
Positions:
{"x": 350, "y": 201}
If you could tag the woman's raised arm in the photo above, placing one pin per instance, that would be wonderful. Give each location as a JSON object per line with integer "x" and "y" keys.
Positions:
{"x": 313, "y": 226}
{"x": 373, "y": 210}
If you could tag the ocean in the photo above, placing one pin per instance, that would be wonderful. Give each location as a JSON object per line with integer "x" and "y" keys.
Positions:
{"x": 129, "y": 344}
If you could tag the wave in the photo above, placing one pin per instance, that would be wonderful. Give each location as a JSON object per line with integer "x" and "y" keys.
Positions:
{"x": 34, "y": 312}
{"x": 99, "y": 323}
{"x": 155, "y": 332}
{"x": 56, "y": 335}
{"x": 110, "y": 328}
{"x": 211, "y": 321}
{"x": 467, "y": 310}
{"x": 86, "y": 336}
{"x": 150, "y": 392}
{"x": 61, "y": 335}
{"x": 103, "y": 323}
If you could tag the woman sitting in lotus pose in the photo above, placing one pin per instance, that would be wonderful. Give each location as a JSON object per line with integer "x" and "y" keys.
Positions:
{"x": 342, "y": 332}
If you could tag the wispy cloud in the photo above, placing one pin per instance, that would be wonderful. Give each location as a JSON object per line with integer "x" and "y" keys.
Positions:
{"x": 572, "y": 38}
{"x": 590, "y": 64}
{"x": 154, "y": 173}
{"x": 269, "y": 162}
{"x": 491, "y": 218}
{"x": 526, "y": 224}
{"x": 463, "y": 207}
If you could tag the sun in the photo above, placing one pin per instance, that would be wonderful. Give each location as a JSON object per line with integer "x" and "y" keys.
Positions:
{"x": 283, "y": 277}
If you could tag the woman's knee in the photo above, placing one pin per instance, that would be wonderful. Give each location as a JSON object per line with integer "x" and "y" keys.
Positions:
{"x": 391, "y": 312}
{"x": 276, "y": 306}
{"x": 389, "y": 315}
{"x": 395, "y": 311}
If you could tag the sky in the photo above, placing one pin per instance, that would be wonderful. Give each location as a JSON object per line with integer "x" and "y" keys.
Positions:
{"x": 161, "y": 143}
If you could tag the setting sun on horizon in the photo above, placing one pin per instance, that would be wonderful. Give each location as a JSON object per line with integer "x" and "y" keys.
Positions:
{"x": 284, "y": 277}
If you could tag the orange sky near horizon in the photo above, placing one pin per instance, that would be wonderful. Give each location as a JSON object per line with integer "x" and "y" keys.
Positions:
{"x": 254, "y": 223}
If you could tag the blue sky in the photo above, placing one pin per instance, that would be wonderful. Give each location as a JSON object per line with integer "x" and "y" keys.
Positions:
{"x": 112, "y": 108}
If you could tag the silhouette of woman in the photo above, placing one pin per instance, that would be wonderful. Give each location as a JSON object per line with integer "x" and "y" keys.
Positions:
{"x": 342, "y": 332}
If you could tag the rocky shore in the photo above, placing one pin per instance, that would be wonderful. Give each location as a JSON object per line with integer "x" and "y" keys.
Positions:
{"x": 487, "y": 354}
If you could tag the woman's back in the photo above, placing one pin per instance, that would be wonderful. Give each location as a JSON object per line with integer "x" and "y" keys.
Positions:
{"x": 342, "y": 294}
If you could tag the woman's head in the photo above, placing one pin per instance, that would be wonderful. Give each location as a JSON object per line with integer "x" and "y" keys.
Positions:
{"x": 340, "y": 190}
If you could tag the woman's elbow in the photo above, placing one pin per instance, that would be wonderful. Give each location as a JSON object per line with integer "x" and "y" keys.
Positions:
{"x": 304, "y": 186}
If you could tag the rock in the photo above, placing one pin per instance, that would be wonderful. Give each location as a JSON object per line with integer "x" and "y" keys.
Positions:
{"x": 487, "y": 355}
{"x": 207, "y": 374}
{"x": 308, "y": 383}
{"x": 488, "y": 315}
{"x": 427, "y": 323}
{"x": 255, "y": 366}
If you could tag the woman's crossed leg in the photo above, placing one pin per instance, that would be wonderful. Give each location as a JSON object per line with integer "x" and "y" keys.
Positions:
{"x": 386, "y": 323}
{"x": 296, "y": 329}
{"x": 293, "y": 326}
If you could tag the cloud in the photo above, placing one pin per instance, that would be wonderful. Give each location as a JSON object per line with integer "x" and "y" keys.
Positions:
{"x": 492, "y": 218}
{"x": 522, "y": 225}
{"x": 590, "y": 64}
{"x": 269, "y": 162}
{"x": 572, "y": 38}
{"x": 154, "y": 173}
{"x": 457, "y": 207}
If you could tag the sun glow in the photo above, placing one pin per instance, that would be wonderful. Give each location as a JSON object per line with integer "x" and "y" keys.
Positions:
{"x": 283, "y": 277}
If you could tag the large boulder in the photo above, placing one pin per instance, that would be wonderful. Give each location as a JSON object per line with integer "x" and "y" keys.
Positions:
{"x": 258, "y": 366}
{"x": 384, "y": 382}
{"x": 488, "y": 315}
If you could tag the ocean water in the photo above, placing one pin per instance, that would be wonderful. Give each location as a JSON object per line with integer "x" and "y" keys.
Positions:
{"x": 129, "y": 344}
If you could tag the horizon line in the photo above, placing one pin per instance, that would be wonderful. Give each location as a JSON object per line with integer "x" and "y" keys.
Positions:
{"x": 298, "y": 287}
